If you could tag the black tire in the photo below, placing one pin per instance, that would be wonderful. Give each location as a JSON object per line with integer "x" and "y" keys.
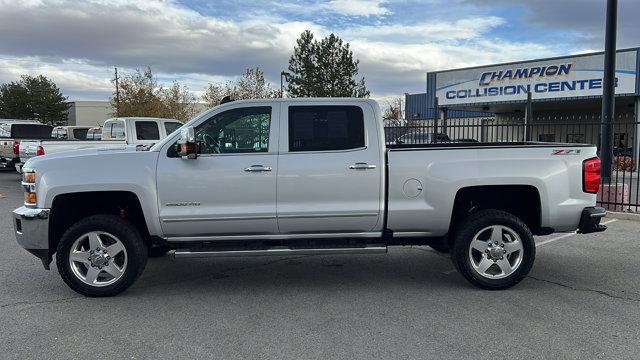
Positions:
{"x": 156, "y": 251}
{"x": 475, "y": 223}
{"x": 125, "y": 231}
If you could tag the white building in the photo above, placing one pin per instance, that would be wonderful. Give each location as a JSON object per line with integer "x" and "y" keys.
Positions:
{"x": 89, "y": 113}
{"x": 94, "y": 113}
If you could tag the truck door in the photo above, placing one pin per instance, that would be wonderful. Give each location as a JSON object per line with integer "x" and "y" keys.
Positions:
{"x": 329, "y": 169}
{"x": 230, "y": 188}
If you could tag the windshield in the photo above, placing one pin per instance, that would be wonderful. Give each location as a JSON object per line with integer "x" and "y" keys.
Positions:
{"x": 31, "y": 131}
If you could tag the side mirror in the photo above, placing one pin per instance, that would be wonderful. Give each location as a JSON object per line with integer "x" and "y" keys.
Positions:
{"x": 187, "y": 148}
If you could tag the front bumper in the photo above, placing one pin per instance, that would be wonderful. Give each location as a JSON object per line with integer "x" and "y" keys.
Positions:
{"x": 590, "y": 220}
{"x": 32, "y": 231}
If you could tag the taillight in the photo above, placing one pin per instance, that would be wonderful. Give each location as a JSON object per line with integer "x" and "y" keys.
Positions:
{"x": 591, "y": 175}
{"x": 16, "y": 147}
{"x": 39, "y": 151}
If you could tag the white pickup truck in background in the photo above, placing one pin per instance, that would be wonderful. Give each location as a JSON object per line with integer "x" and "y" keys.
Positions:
{"x": 116, "y": 132}
{"x": 12, "y": 132}
{"x": 301, "y": 176}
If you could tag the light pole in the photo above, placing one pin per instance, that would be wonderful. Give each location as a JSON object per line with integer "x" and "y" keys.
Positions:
{"x": 608, "y": 91}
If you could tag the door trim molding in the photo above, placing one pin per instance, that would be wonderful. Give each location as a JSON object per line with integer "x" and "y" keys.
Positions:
{"x": 331, "y": 215}
{"x": 219, "y": 218}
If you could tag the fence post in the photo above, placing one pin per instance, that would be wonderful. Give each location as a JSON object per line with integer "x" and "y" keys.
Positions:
{"x": 436, "y": 116}
{"x": 528, "y": 117}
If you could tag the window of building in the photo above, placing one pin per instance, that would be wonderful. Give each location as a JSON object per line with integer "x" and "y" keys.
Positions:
{"x": 547, "y": 137}
{"x": 242, "y": 130}
{"x": 147, "y": 130}
{"x": 324, "y": 128}
{"x": 575, "y": 138}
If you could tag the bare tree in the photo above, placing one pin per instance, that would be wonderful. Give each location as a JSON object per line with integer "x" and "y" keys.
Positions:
{"x": 251, "y": 85}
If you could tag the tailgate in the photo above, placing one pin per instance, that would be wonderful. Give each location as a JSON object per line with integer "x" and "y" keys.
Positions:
{"x": 28, "y": 149}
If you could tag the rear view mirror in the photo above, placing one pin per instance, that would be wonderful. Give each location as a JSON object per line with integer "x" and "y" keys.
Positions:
{"x": 187, "y": 143}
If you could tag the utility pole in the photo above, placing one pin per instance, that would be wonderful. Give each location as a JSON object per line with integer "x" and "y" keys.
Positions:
{"x": 283, "y": 75}
{"x": 117, "y": 93}
{"x": 608, "y": 91}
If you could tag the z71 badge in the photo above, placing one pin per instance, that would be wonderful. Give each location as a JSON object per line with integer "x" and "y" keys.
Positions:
{"x": 566, "y": 152}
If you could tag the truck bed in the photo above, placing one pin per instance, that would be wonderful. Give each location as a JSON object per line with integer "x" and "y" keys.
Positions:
{"x": 468, "y": 145}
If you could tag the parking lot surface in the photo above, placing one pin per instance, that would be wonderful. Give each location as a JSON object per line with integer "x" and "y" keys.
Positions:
{"x": 581, "y": 300}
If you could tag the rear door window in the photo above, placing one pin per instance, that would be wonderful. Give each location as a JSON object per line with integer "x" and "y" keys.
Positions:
{"x": 170, "y": 127}
{"x": 31, "y": 131}
{"x": 325, "y": 128}
{"x": 147, "y": 130}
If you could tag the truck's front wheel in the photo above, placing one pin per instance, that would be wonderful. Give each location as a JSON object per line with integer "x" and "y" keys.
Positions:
{"x": 101, "y": 255}
{"x": 493, "y": 249}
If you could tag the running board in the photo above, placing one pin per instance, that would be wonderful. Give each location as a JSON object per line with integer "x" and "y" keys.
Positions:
{"x": 280, "y": 251}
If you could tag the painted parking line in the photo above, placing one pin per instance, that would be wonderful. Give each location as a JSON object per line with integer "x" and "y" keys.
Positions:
{"x": 567, "y": 235}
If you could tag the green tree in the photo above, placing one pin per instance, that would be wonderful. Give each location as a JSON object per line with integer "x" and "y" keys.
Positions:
{"x": 251, "y": 85}
{"x": 324, "y": 68}
{"x": 34, "y": 97}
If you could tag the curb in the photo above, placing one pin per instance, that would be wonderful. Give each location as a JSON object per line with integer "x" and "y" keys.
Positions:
{"x": 623, "y": 216}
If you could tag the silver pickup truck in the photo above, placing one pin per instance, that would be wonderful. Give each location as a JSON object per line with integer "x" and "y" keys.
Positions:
{"x": 301, "y": 176}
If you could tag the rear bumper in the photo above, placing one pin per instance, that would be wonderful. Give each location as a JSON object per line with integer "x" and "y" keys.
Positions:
{"x": 32, "y": 231}
{"x": 590, "y": 220}
{"x": 8, "y": 162}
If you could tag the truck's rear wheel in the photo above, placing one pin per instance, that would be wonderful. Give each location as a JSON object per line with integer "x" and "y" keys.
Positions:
{"x": 101, "y": 255}
{"x": 493, "y": 249}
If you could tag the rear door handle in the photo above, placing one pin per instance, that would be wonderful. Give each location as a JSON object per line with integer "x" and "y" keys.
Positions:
{"x": 361, "y": 166}
{"x": 258, "y": 168}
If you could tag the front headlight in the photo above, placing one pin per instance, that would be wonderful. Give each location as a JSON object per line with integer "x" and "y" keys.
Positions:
{"x": 29, "y": 185}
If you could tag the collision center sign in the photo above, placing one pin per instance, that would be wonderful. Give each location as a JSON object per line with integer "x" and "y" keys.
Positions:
{"x": 570, "y": 77}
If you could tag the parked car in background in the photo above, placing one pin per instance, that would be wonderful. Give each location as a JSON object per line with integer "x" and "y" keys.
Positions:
{"x": 416, "y": 138}
{"x": 115, "y": 133}
{"x": 301, "y": 176}
{"x": 12, "y": 132}
{"x": 70, "y": 132}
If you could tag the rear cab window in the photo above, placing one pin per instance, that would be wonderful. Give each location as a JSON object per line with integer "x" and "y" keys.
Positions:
{"x": 326, "y": 128}
{"x": 31, "y": 131}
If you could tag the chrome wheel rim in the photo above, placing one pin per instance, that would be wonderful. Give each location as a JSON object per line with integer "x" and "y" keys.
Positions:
{"x": 98, "y": 258}
{"x": 496, "y": 252}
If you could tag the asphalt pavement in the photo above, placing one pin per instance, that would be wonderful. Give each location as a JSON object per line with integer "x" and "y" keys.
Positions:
{"x": 581, "y": 301}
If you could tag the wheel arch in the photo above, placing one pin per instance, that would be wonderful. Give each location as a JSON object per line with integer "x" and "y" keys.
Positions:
{"x": 522, "y": 201}
{"x": 69, "y": 208}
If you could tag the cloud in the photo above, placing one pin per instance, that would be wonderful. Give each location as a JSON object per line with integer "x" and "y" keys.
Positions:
{"x": 357, "y": 7}
{"x": 582, "y": 20}
{"x": 78, "y": 43}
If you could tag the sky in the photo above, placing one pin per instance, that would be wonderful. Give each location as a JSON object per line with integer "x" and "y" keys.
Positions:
{"x": 78, "y": 43}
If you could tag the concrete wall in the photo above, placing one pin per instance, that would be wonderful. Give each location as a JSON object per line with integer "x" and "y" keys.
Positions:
{"x": 89, "y": 113}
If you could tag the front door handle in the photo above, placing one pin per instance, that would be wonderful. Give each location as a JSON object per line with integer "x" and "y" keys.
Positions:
{"x": 361, "y": 166}
{"x": 258, "y": 168}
